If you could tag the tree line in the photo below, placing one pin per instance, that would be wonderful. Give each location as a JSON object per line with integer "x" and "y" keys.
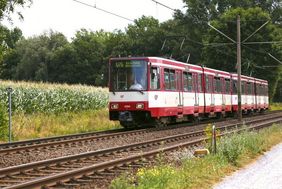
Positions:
{"x": 50, "y": 57}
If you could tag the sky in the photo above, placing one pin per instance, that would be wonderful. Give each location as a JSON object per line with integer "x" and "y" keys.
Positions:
{"x": 68, "y": 16}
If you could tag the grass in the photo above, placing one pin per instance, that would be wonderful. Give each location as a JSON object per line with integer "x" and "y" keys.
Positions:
{"x": 275, "y": 106}
{"x": 233, "y": 152}
{"x": 38, "y": 125}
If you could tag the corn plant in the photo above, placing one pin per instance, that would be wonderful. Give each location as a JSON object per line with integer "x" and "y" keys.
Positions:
{"x": 53, "y": 98}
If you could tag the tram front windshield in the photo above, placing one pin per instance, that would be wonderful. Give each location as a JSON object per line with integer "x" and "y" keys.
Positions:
{"x": 128, "y": 75}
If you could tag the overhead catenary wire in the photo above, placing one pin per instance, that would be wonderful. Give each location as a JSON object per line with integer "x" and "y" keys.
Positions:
{"x": 103, "y": 10}
{"x": 263, "y": 42}
{"x": 244, "y": 43}
{"x": 255, "y": 31}
{"x": 157, "y": 2}
{"x": 265, "y": 53}
{"x": 199, "y": 43}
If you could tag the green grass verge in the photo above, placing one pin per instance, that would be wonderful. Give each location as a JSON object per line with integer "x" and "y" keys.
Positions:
{"x": 275, "y": 106}
{"x": 233, "y": 152}
{"x": 38, "y": 125}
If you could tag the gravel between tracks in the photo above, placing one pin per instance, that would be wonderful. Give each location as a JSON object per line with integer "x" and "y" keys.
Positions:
{"x": 265, "y": 173}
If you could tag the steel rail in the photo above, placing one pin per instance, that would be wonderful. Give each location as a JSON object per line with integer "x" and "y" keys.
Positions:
{"x": 56, "y": 138}
{"x": 47, "y": 163}
{"x": 71, "y": 141}
{"x": 89, "y": 170}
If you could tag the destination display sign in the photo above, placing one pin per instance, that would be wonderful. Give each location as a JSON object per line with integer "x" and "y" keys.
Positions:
{"x": 129, "y": 64}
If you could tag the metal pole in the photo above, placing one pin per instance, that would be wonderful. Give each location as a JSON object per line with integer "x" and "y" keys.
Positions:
{"x": 239, "y": 68}
{"x": 10, "y": 113}
{"x": 214, "y": 139}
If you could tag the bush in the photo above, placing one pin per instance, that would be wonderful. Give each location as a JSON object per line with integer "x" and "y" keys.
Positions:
{"x": 122, "y": 182}
{"x": 231, "y": 148}
{"x": 3, "y": 122}
{"x": 156, "y": 177}
{"x": 253, "y": 143}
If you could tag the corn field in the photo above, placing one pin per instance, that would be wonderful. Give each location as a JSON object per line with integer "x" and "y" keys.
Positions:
{"x": 52, "y": 98}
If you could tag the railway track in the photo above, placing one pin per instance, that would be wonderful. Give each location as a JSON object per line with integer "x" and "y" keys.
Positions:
{"x": 56, "y": 139}
{"x": 77, "y": 139}
{"x": 82, "y": 168}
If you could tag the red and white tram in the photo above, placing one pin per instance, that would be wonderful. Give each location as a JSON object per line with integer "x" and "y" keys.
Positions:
{"x": 146, "y": 90}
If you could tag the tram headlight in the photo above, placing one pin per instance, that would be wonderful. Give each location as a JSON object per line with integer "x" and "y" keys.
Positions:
{"x": 139, "y": 106}
{"x": 114, "y": 106}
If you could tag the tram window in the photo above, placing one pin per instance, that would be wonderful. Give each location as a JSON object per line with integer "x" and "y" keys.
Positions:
{"x": 234, "y": 87}
{"x": 122, "y": 80}
{"x": 155, "y": 78}
{"x": 243, "y": 87}
{"x": 227, "y": 86}
{"x": 190, "y": 82}
{"x": 166, "y": 79}
{"x": 200, "y": 88}
{"x": 257, "y": 89}
{"x": 169, "y": 77}
{"x": 217, "y": 84}
{"x": 249, "y": 88}
{"x": 187, "y": 81}
{"x": 207, "y": 83}
{"x": 172, "y": 79}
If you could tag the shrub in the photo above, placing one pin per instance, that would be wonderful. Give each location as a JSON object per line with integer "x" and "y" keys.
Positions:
{"x": 231, "y": 148}
{"x": 3, "y": 122}
{"x": 156, "y": 177}
{"x": 253, "y": 143}
{"x": 122, "y": 182}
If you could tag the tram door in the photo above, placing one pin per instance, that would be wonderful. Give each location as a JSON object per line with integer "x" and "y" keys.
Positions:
{"x": 180, "y": 91}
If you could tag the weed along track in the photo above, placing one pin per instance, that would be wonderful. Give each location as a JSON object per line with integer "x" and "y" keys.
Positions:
{"x": 100, "y": 165}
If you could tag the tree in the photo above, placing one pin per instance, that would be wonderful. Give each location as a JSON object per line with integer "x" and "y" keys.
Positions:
{"x": 206, "y": 10}
{"x": 8, "y": 40}
{"x": 90, "y": 48}
{"x": 254, "y": 57}
{"x": 30, "y": 58}
{"x": 9, "y": 6}
{"x": 146, "y": 37}
{"x": 62, "y": 64}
